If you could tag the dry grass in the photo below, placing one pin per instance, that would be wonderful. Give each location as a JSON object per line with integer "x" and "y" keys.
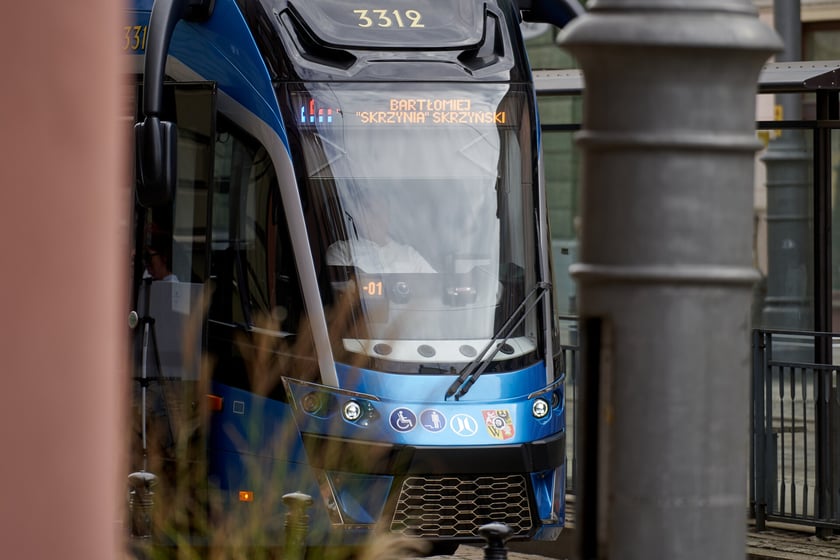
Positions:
{"x": 182, "y": 510}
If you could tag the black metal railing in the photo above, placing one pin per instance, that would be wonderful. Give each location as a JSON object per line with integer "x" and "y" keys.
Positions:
{"x": 571, "y": 359}
{"x": 795, "y": 435}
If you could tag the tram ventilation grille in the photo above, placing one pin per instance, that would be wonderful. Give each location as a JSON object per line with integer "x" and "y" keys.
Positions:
{"x": 456, "y": 506}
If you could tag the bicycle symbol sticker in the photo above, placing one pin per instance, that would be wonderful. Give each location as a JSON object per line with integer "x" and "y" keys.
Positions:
{"x": 403, "y": 420}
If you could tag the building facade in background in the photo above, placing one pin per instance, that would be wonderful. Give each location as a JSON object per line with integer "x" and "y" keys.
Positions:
{"x": 784, "y": 300}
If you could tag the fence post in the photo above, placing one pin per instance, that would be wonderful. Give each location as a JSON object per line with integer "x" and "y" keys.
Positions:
{"x": 834, "y": 453}
{"x": 759, "y": 436}
{"x": 297, "y": 523}
{"x": 496, "y": 535}
{"x": 822, "y": 418}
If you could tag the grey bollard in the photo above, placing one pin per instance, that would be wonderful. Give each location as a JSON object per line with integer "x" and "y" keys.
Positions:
{"x": 665, "y": 273}
{"x": 496, "y": 535}
{"x": 297, "y": 523}
{"x": 141, "y": 501}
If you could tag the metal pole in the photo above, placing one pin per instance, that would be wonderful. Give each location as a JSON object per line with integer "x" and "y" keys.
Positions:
{"x": 827, "y": 477}
{"x": 665, "y": 273}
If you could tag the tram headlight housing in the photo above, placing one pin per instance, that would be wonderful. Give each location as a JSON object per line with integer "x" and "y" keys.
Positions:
{"x": 314, "y": 403}
{"x": 323, "y": 402}
{"x": 540, "y": 408}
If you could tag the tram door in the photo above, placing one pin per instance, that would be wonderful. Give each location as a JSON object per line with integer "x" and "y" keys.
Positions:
{"x": 168, "y": 309}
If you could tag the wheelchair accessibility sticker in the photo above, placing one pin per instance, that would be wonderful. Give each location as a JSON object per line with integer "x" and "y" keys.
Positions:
{"x": 499, "y": 424}
{"x": 403, "y": 420}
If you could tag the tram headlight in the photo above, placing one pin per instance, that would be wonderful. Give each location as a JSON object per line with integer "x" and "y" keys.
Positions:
{"x": 540, "y": 408}
{"x": 313, "y": 403}
{"x": 352, "y": 411}
{"x": 555, "y": 399}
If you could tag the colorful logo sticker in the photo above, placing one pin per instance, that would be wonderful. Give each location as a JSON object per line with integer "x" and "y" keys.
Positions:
{"x": 499, "y": 423}
{"x": 433, "y": 420}
{"x": 403, "y": 420}
{"x": 464, "y": 425}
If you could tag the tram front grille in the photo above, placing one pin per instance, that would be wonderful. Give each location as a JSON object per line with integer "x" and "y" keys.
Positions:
{"x": 456, "y": 506}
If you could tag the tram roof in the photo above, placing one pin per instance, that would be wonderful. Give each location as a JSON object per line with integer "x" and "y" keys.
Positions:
{"x": 777, "y": 77}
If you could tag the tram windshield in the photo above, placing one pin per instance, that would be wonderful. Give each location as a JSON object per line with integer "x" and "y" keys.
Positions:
{"x": 420, "y": 206}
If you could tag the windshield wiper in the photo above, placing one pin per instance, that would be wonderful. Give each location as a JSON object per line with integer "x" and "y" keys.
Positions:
{"x": 473, "y": 370}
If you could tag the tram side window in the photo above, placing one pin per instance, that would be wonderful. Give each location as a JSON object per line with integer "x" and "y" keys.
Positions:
{"x": 272, "y": 279}
{"x": 256, "y": 281}
{"x": 230, "y": 156}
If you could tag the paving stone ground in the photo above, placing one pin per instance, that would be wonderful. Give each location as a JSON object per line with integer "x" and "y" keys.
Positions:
{"x": 788, "y": 543}
{"x": 774, "y": 544}
{"x": 778, "y": 542}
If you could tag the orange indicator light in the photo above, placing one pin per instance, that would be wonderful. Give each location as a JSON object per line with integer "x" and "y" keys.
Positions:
{"x": 214, "y": 403}
{"x": 246, "y": 496}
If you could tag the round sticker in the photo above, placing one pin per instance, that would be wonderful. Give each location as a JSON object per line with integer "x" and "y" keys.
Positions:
{"x": 403, "y": 420}
{"x": 433, "y": 420}
{"x": 464, "y": 425}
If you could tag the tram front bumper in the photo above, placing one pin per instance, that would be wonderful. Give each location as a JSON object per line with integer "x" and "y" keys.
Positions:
{"x": 442, "y": 492}
{"x": 334, "y": 453}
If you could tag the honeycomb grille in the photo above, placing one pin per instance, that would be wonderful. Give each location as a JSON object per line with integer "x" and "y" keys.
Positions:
{"x": 456, "y": 506}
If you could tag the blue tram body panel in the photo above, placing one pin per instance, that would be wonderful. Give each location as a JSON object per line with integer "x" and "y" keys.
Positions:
{"x": 221, "y": 50}
{"x": 345, "y": 100}
{"x": 255, "y": 440}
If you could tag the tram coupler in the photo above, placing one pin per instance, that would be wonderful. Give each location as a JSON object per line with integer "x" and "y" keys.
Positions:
{"x": 141, "y": 501}
{"x": 496, "y": 535}
{"x": 297, "y": 524}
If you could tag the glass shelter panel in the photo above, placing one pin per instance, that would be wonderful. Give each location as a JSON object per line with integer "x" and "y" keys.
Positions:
{"x": 561, "y": 157}
{"x": 783, "y": 243}
{"x": 560, "y": 164}
{"x": 835, "y": 234}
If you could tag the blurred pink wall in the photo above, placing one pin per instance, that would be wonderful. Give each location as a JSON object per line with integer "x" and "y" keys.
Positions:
{"x": 63, "y": 236}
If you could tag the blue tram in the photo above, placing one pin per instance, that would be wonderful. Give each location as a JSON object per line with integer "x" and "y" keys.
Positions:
{"x": 341, "y": 282}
